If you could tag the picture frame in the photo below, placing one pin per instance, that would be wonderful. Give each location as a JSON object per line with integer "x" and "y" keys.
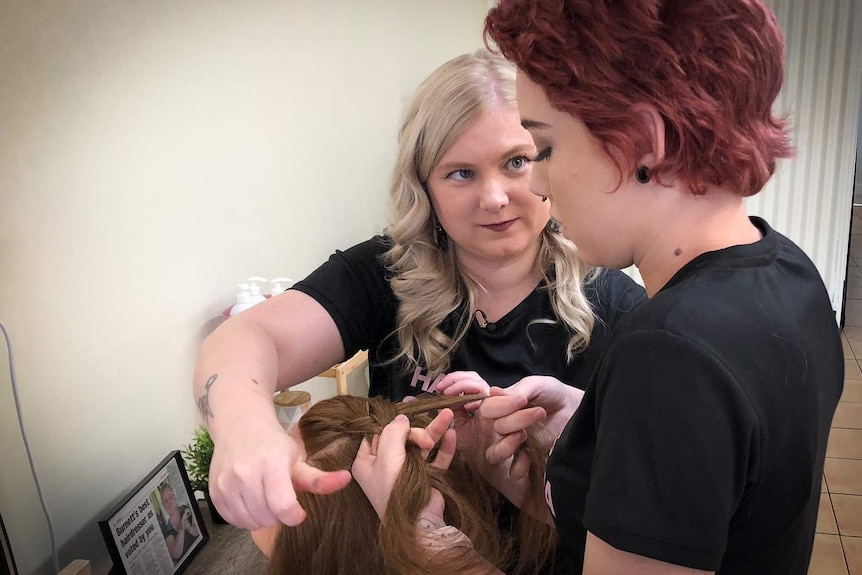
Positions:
{"x": 157, "y": 529}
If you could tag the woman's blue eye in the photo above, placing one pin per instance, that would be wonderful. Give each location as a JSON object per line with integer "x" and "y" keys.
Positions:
{"x": 461, "y": 175}
{"x": 519, "y": 162}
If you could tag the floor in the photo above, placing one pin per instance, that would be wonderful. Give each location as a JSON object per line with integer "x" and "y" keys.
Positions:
{"x": 838, "y": 542}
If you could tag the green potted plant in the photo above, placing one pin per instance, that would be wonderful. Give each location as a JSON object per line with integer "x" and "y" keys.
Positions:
{"x": 198, "y": 455}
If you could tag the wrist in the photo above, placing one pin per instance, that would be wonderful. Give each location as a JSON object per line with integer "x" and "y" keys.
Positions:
{"x": 247, "y": 412}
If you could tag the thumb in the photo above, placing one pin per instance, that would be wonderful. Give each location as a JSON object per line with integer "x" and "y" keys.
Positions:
{"x": 528, "y": 388}
{"x": 522, "y": 388}
{"x": 394, "y": 436}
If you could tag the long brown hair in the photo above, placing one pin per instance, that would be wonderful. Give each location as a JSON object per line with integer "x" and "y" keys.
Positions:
{"x": 342, "y": 534}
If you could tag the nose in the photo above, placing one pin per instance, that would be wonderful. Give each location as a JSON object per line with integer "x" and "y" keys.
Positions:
{"x": 539, "y": 181}
{"x": 494, "y": 195}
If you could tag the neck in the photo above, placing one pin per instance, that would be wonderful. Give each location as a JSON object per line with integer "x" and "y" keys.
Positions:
{"x": 688, "y": 226}
{"x": 503, "y": 284}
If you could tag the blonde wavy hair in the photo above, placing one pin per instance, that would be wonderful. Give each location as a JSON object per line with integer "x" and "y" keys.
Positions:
{"x": 426, "y": 278}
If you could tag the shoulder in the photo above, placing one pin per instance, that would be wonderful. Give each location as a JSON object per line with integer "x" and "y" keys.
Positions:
{"x": 663, "y": 350}
{"x": 361, "y": 264}
{"x": 371, "y": 251}
{"x": 676, "y": 367}
{"x": 612, "y": 293}
{"x": 352, "y": 281}
{"x": 664, "y": 366}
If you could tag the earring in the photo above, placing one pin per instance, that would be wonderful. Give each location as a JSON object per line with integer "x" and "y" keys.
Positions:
{"x": 553, "y": 225}
{"x": 440, "y": 237}
{"x": 642, "y": 175}
{"x": 544, "y": 198}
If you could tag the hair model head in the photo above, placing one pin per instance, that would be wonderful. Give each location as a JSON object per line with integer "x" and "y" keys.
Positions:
{"x": 712, "y": 69}
{"x": 342, "y": 533}
{"x": 426, "y": 278}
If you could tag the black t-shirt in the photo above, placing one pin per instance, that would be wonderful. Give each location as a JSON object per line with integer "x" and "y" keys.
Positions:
{"x": 353, "y": 287}
{"x": 701, "y": 437}
{"x": 168, "y": 530}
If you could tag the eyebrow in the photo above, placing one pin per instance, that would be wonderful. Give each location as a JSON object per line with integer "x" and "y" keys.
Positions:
{"x": 527, "y": 124}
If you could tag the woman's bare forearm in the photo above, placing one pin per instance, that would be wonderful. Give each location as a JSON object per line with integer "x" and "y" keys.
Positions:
{"x": 236, "y": 374}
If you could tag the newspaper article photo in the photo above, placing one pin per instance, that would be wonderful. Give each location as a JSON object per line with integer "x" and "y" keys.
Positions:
{"x": 158, "y": 528}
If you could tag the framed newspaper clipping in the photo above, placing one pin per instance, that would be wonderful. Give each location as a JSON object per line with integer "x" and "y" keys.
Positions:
{"x": 157, "y": 529}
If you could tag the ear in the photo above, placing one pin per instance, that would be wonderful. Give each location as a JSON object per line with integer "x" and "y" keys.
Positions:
{"x": 653, "y": 125}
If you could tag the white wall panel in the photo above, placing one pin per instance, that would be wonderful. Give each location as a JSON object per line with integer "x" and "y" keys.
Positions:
{"x": 810, "y": 197}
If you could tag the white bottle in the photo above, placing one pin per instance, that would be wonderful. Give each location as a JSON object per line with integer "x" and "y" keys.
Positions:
{"x": 254, "y": 289}
{"x": 277, "y": 288}
{"x": 243, "y": 301}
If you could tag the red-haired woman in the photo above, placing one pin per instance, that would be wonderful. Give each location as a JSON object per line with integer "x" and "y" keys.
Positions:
{"x": 699, "y": 444}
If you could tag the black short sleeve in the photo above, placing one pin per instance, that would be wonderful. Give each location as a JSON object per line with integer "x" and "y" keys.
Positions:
{"x": 353, "y": 287}
{"x": 674, "y": 435}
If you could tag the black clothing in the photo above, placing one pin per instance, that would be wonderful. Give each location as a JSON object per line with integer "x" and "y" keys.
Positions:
{"x": 353, "y": 287}
{"x": 168, "y": 530}
{"x": 702, "y": 435}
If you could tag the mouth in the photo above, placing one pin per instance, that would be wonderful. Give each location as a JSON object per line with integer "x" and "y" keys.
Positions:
{"x": 501, "y": 226}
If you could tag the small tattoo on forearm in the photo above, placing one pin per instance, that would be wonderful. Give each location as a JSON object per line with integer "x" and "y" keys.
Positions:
{"x": 204, "y": 400}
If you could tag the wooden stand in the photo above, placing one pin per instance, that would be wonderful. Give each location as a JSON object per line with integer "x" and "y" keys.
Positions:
{"x": 77, "y": 567}
{"x": 340, "y": 370}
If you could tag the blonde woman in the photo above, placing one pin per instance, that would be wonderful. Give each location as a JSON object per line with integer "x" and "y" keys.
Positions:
{"x": 470, "y": 281}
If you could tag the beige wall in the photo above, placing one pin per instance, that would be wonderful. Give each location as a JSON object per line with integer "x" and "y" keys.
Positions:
{"x": 152, "y": 155}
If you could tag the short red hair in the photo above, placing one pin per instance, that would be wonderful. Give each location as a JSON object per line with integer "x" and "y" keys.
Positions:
{"x": 712, "y": 69}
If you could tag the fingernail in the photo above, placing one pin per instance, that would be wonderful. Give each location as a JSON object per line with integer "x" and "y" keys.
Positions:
{"x": 400, "y": 418}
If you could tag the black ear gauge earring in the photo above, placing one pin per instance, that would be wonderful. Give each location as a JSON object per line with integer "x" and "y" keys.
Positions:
{"x": 544, "y": 198}
{"x": 642, "y": 175}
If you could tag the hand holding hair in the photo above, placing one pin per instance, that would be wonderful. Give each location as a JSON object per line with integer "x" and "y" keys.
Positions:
{"x": 464, "y": 383}
{"x": 534, "y": 400}
{"x": 409, "y": 491}
{"x": 472, "y": 442}
{"x": 256, "y": 471}
{"x": 378, "y": 463}
{"x": 540, "y": 403}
